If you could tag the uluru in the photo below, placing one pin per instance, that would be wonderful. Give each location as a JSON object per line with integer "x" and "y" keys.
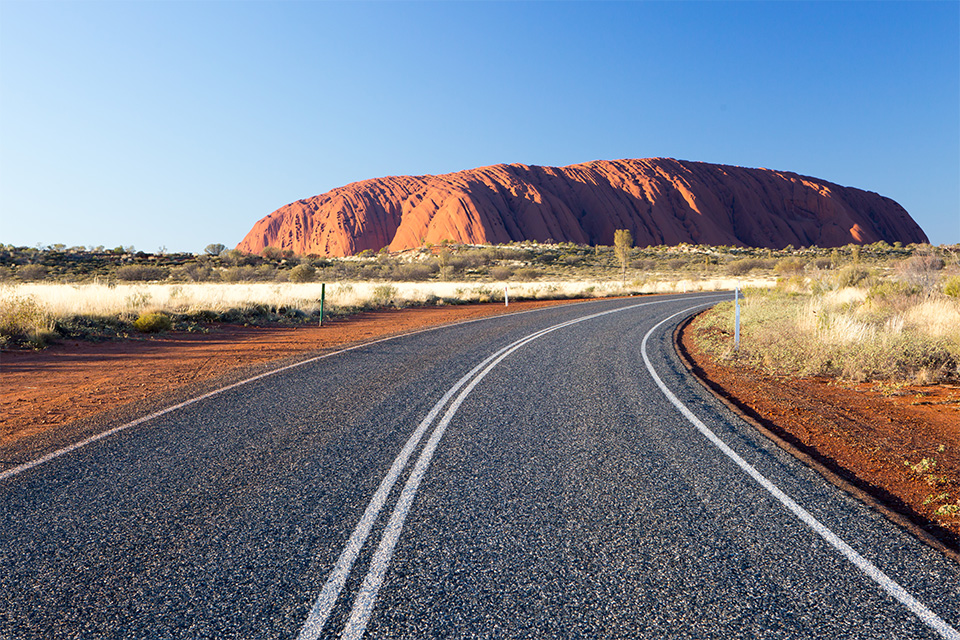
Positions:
{"x": 661, "y": 201}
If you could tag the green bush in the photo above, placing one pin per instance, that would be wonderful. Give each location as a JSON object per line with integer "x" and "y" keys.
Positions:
{"x": 153, "y": 322}
{"x": 501, "y": 273}
{"x": 644, "y": 265}
{"x": 790, "y": 267}
{"x": 23, "y": 322}
{"x": 271, "y": 253}
{"x": 952, "y": 287}
{"x": 413, "y": 272}
{"x": 922, "y": 270}
{"x": 302, "y": 273}
{"x": 744, "y": 266}
{"x": 851, "y": 276}
{"x": 140, "y": 273}
{"x": 892, "y": 290}
{"x": 675, "y": 264}
{"x": 527, "y": 273}
{"x": 384, "y": 294}
{"x": 32, "y": 272}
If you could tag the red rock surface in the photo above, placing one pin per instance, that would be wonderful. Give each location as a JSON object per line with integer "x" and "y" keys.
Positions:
{"x": 660, "y": 200}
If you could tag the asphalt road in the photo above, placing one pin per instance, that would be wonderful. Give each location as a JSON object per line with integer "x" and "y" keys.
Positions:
{"x": 524, "y": 476}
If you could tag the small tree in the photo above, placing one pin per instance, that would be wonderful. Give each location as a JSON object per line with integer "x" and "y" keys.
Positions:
{"x": 622, "y": 243}
{"x": 271, "y": 253}
{"x": 215, "y": 249}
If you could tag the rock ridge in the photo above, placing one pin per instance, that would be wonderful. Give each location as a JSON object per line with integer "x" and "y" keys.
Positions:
{"x": 660, "y": 200}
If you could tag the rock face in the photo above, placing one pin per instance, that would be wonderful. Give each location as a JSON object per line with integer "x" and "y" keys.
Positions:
{"x": 660, "y": 200}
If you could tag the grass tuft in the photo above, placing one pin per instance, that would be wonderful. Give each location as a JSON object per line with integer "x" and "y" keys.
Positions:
{"x": 24, "y": 322}
{"x": 854, "y": 333}
{"x": 153, "y": 322}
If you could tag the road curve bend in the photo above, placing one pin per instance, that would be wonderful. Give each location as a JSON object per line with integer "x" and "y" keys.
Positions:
{"x": 554, "y": 473}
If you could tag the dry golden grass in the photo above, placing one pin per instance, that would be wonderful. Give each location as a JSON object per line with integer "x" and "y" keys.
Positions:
{"x": 887, "y": 331}
{"x": 100, "y": 300}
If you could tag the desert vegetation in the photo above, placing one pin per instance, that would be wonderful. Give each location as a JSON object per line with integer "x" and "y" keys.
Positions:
{"x": 96, "y": 293}
{"x": 896, "y": 321}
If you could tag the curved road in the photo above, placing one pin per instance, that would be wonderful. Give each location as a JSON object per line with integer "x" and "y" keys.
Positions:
{"x": 547, "y": 474}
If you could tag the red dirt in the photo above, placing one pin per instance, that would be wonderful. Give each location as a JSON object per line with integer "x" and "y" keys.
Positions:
{"x": 43, "y": 390}
{"x": 867, "y": 434}
{"x": 863, "y": 433}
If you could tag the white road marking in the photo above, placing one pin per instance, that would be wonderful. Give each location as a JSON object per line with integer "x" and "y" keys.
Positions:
{"x": 12, "y": 471}
{"x": 886, "y": 583}
{"x": 341, "y": 570}
{"x": 366, "y": 597}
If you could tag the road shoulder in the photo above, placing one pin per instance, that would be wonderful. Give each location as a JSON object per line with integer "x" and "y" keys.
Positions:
{"x": 45, "y": 393}
{"x": 868, "y": 444}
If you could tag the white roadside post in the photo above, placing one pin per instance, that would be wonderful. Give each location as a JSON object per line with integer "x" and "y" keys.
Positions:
{"x": 736, "y": 318}
{"x": 506, "y": 297}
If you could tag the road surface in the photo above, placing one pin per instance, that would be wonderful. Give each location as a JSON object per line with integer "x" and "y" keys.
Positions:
{"x": 554, "y": 473}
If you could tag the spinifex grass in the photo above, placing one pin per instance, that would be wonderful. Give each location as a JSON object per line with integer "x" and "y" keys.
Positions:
{"x": 72, "y": 305}
{"x": 854, "y": 333}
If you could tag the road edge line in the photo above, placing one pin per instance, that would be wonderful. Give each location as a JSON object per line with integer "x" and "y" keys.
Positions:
{"x": 885, "y": 582}
{"x": 902, "y": 520}
{"x": 26, "y": 466}
{"x": 366, "y": 597}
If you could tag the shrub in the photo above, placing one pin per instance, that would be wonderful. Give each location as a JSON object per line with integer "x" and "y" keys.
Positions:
{"x": 644, "y": 265}
{"x": 32, "y": 272}
{"x": 743, "y": 266}
{"x": 898, "y": 296}
{"x": 920, "y": 270}
{"x": 24, "y": 322}
{"x": 547, "y": 257}
{"x": 195, "y": 273}
{"x": 527, "y": 273}
{"x": 238, "y": 274}
{"x": 271, "y": 253}
{"x": 384, "y": 294}
{"x": 153, "y": 322}
{"x": 414, "y": 272}
{"x": 521, "y": 255}
{"x": 501, "y": 273}
{"x": 790, "y": 267}
{"x": 952, "y": 287}
{"x": 851, "y": 276}
{"x": 302, "y": 273}
{"x": 233, "y": 257}
{"x": 140, "y": 273}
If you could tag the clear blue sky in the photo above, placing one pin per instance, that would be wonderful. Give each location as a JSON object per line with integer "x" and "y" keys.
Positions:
{"x": 179, "y": 124}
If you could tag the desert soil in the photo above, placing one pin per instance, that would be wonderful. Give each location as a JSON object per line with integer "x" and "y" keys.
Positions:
{"x": 71, "y": 380}
{"x": 874, "y": 435}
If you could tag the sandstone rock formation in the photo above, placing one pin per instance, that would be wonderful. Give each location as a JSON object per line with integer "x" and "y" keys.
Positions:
{"x": 660, "y": 200}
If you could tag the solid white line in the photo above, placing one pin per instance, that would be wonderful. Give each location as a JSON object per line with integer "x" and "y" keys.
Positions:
{"x": 885, "y": 582}
{"x": 338, "y": 576}
{"x": 367, "y": 595}
{"x": 366, "y": 598}
{"x": 12, "y": 471}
